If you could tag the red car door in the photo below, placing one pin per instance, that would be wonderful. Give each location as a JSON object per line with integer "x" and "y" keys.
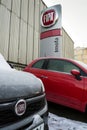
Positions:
{"x": 64, "y": 89}
{"x": 61, "y": 86}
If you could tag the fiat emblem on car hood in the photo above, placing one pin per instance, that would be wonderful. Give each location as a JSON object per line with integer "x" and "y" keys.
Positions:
{"x": 49, "y": 17}
{"x": 20, "y": 107}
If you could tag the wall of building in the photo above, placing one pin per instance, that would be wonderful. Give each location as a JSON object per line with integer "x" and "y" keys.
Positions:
{"x": 68, "y": 45}
{"x": 80, "y": 53}
{"x": 20, "y": 31}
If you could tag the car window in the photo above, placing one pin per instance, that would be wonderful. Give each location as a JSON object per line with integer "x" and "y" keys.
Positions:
{"x": 56, "y": 65}
{"x": 39, "y": 64}
{"x": 61, "y": 65}
{"x": 83, "y": 64}
{"x": 68, "y": 66}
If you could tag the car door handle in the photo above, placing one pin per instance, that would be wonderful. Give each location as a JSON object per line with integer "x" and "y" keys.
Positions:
{"x": 42, "y": 76}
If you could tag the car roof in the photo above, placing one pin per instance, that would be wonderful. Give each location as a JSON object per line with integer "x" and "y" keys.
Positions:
{"x": 60, "y": 58}
{"x": 78, "y": 63}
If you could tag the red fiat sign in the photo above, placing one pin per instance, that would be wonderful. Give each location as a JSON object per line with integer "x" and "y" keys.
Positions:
{"x": 48, "y": 18}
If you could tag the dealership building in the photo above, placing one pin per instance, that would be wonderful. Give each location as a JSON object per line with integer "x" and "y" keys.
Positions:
{"x": 20, "y": 32}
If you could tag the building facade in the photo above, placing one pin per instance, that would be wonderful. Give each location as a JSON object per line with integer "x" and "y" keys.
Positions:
{"x": 80, "y": 53}
{"x": 20, "y": 31}
{"x": 68, "y": 45}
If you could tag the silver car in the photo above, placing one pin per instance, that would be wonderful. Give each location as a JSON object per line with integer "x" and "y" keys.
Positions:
{"x": 23, "y": 105}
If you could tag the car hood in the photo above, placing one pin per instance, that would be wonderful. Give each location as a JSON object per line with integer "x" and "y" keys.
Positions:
{"x": 16, "y": 84}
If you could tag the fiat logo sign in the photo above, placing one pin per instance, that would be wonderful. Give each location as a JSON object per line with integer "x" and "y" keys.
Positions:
{"x": 20, "y": 107}
{"x": 49, "y": 17}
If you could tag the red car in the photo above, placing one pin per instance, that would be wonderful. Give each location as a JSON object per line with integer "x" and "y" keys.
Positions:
{"x": 65, "y": 80}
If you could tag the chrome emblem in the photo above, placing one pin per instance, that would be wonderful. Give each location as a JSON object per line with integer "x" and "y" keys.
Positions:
{"x": 49, "y": 18}
{"x": 20, "y": 107}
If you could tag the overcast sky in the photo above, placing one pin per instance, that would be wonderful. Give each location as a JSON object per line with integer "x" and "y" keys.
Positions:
{"x": 74, "y": 19}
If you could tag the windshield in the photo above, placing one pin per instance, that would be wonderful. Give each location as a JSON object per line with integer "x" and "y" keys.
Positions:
{"x": 4, "y": 64}
{"x": 82, "y": 64}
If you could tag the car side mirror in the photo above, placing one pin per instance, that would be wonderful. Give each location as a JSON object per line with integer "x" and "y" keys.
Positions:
{"x": 76, "y": 73}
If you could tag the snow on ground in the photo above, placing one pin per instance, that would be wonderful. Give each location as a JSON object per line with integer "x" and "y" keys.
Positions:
{"x": 60, "y": 123}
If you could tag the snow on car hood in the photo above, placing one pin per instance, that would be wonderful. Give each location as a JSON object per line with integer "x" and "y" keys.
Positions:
{"x": 14, "y": 84}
